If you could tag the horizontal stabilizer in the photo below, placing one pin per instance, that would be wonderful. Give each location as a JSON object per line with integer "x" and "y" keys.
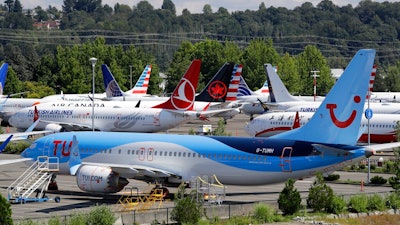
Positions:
{"x": 327, "y": 150}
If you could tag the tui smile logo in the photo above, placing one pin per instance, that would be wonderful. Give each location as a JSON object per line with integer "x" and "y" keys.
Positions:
{"x": 345, "y": 123}
{"x": 217, "y": 89}
{"x": 183, "y": 99}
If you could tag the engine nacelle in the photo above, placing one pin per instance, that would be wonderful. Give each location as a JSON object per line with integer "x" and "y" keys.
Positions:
{"x": 99, "y": 179}
{"x": 53, "y": 127}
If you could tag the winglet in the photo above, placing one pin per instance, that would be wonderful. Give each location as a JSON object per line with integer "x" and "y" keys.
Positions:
{"x": 111, "y": 85}
{"x": 184, "y": 94}
{"x": 142, "y": 83}
{"x": 74, "y": 161}
{"x": 4, "y": 144}
{"x": 3, "y": 75}
{"x": 217, "y": 88}
{"x": 338, "y": 118}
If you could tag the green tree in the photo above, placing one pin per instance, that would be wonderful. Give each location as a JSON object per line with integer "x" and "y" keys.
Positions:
{"x": 309, "y": 60}
{"x": 320, "y": 195}
{"x": 5, "y": 212}
{"x": 254, "y": 57}
{"x": 187, "y": 210}
{"x": 289, "y": 200}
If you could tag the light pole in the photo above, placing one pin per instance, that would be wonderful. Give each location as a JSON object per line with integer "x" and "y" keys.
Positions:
{"x": 130, "y": 74}
{"x": 93, "y": 61}
{"x": 314, "y": 74}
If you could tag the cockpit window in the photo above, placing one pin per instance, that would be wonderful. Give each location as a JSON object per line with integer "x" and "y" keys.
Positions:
{"x": 33, "y": 146}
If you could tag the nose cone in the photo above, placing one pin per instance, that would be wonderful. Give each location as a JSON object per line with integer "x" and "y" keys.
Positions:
{"x": 249, "y": 130}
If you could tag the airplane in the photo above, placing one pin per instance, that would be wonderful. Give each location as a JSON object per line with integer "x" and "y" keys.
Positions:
{"x": 382, "y": 127}
{"x": 6, "y": 138}
{"x": 3, "y": 75}
{"x": 281, "y": 100}
{"x": 113, "y": 89}
{"x": 178, "y": 109}
{"x": 103, "y": 161}
{"x": 11, "y": 105}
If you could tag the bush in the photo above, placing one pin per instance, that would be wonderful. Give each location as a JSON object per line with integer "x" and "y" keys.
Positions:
{"x": 289, "y": 200}
{"x": 332, "y": 177}
{"x": 264, "y": 213}
{"x": 378, "y": 180}
{"x": 393, "y": 201}
{"x": 358, "y": 203}
{"x": 186, "y": 210}
{"x": 376, "y": 203}
{"x": 101, "y": 215}
{"x": 337, "y": 206}
{"x": 320, "y": 195}
{"x": 5, "y": 211}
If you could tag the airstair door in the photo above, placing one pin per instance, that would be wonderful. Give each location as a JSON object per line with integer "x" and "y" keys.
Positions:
{"x": 47, "y": 147}
{"x": 286, "y": 162}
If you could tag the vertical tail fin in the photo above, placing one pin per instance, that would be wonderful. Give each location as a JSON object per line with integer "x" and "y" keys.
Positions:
{"x": 183, "y": 96}
{"x": 3, "y": 75}
{"x": 111, "y": 85}
{"x": 277, "y": 90}
{"x": 371, "y": 81}
{"x": 5, "y": 143}
{"x": 217, "y": 88}
{"x": 244, "y": 89}
{"x": 234, "y": 84}
{"x": 338, "y": 119}
{"x": 142, "y": 83}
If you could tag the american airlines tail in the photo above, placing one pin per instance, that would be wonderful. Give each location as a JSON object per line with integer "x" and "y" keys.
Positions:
{"x": 112, "y": 87}
{"x": 337, "y": 112}
{"x": 183, "y": 96}
{"x": 233, "y": 89}
{"x": 142, "y": 84}
{"x": 3, "y": 75}
{"x": 217, "y": 88}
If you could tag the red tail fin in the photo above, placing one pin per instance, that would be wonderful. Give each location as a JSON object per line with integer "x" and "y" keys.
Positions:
{"x": 183, "y": 96}
{"x": 35, "y": 114}
{"x": 296, "y": 122}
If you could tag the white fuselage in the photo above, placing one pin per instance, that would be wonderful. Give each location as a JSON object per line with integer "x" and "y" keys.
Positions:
{"x": 74, "y": 116}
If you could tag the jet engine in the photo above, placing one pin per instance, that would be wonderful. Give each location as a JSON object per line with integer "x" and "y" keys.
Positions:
{"x": 99, "y": 179}
{"x": 54, "y": 127}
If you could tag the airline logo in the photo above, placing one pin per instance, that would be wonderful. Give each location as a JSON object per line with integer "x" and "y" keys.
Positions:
{"x": 217, "y": 89}
{"x": 113, "y": 89}
{"x": 347, "y": 122}
{"x": 243, "y": 88}
{"x": 183, "y": 99}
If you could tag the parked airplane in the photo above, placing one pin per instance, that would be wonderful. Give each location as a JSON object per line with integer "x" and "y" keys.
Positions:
{"x": 178, "y": 109}
{"x": 382, "y": 127}
{"x": 102, "y": 161}
{"x": 281, "y": 100}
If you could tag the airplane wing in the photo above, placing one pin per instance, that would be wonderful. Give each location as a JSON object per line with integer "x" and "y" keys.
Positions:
{"x": 134, "y": 170}
{"x": 69, "y": 126}
{"x": 10, "y": 161}
{"x": 387, "y": 147}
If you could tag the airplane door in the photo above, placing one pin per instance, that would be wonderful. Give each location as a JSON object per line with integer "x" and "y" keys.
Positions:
{"x": 156, "y": 120}
{"x": 286, "y": 163}
{"x": 47, "y": 148}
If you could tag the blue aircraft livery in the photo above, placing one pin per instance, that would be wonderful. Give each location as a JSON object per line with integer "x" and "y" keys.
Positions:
{"x": 326, "y": 143}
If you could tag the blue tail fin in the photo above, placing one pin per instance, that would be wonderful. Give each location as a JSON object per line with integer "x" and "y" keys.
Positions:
{"x": 217, "y": 89}
{"x": 5, "y": 143}
{"x": 3, "y": 75}
{"x": 112, "y": 87}
{"x": 337, "y": 120}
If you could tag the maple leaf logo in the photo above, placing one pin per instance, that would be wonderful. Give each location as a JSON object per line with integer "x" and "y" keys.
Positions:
{"x": 217, "y": 90}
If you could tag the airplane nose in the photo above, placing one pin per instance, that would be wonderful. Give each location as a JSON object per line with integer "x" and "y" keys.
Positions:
{"x": 248, "y": 130}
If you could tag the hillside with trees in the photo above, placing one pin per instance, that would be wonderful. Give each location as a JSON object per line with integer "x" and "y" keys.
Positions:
{"x": 305, "y": 38}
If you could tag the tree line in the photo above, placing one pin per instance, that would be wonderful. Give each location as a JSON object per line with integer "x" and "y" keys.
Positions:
{"x": 298, "y": 41}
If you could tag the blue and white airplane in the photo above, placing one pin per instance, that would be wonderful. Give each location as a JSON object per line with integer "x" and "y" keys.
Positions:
{"x": 102, "y": 161}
